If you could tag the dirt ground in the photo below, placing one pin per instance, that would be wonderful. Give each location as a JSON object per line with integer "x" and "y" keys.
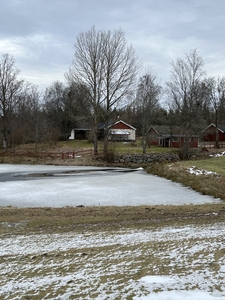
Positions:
{"x": 23, "y": 155}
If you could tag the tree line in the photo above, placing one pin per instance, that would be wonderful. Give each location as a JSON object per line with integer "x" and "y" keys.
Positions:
{"x": 104, "y": 81}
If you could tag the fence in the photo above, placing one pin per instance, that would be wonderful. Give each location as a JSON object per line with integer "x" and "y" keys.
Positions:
{"x": 53, "y": 155}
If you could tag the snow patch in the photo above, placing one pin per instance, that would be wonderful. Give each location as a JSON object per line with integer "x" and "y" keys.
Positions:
{"x": 195, "y": 171}
{"x": 157, "y": 279}
{"x": 178, "y": 295}
{"x": 218, "y": 154}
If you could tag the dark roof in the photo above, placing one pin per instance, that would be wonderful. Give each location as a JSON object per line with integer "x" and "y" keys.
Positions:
{"x": 221, "y": 127}
{"x": 84, "y": 129}
{"x": 102, "y": 125}
{"x": 170, "y": 131}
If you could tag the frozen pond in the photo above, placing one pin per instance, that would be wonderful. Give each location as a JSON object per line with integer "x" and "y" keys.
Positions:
{"x": 58, "y": 186}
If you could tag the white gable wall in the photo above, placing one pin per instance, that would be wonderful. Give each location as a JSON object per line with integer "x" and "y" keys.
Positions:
{"x": 72, "y": 135}
{"x": 129, "y": 134}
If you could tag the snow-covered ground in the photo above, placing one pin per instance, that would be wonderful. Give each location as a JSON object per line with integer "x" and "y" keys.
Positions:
{"x": 98, "y": 187}
{"x": 165, "y": 264}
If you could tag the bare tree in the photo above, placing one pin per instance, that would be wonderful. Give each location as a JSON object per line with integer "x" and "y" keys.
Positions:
{"x": 12, "y": 90}
{"x": 79, "y": 105}
{"x": 216, "y": 93}
{"x": 26, "y": 117}
{"x": 185, "y": 93}
{"x": 60, "y": 110}
{"x": 121, "y": 67}
{"x": 87, "y": 68}
{"x": 147, "y": 100}
{"x": 108, "y": 67}
{"x": 65, "y": 107}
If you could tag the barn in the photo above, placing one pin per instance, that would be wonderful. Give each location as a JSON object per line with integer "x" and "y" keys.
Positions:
{"x": 166, "y": 136}
{"x": 209, "y": 136}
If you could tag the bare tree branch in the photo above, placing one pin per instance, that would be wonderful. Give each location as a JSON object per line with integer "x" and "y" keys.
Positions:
{"x": 108, "y": 67}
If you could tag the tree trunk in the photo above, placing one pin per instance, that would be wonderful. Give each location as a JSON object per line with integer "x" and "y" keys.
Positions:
{"x": 105, "y": 145}
{"x": 95, "y": 142}
{"x": 217, "y": 131}
{"x": 4, "y": 144}
{"x": 5, "y": 139}
{"x": 144, "y": 143}
{"x": 106, "y": 136}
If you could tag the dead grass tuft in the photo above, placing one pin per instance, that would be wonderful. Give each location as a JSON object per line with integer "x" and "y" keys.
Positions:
{"x": 212, "y": 185}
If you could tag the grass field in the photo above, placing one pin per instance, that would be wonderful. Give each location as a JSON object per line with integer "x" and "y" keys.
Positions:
{"x": 214, "y": 164}
{"x": 195, "y": 174}
{"x": 117, "y": 147}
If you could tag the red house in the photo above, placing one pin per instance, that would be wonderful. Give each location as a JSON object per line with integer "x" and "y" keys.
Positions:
{"x": 121, "y": 131}
{"x": 209, "y": 136}
{"x": 166, "y": 136}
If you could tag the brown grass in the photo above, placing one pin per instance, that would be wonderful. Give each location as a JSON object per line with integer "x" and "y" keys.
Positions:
{"x": 25, "y": 220}
{"x": 212, "y": 185}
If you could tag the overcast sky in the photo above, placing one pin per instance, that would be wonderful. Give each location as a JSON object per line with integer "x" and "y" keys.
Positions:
{"x": 40, "y": 34}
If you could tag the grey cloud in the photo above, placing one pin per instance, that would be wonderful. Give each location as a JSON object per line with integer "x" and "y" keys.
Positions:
{"x": 40, "y": 33}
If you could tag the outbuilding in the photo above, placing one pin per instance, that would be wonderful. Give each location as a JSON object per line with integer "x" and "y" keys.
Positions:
{"x": 121, "y": 131}
{"x": 118, "y": 131}
{"x": 209, "y": 136}
{"x": 166, "y": 136}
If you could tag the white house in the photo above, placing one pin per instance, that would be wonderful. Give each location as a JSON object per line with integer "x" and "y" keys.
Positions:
{"x": 118, "y": 131}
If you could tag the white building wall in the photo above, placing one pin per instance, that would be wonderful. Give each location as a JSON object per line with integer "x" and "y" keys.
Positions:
{"x": 72, "y": 135}
{"x": 131, "y": 136}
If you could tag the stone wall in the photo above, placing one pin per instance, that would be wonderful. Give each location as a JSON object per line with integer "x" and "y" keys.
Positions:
{"x": 153, "y": 157}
